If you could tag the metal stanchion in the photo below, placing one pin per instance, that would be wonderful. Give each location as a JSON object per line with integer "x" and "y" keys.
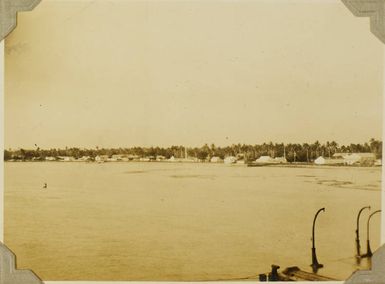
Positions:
{"x": 315, "y": 265}
{"x": 368, "y": 249}
{"x": 358, "y": 246}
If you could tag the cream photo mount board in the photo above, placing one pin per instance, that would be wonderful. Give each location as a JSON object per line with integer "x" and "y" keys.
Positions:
{"x": 374, "y": 10}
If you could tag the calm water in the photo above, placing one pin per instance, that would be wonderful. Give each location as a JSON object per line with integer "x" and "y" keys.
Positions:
{"x": 166, "y": 221}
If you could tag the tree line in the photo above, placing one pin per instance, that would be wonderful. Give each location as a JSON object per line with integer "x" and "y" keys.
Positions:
{"x": 294, "y": 152}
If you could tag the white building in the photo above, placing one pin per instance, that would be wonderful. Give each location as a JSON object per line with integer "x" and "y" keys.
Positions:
{"x": 264, "y": 159}
{"x": 328, "y": 161}
{"x": 172, "y": 159}
{"x": 84, "y": 158}
{"x": 216, "y": 159}
{"x": 230, "y": 160}
{"x": 270, "y": 160}
{"x": 340, "y": 155}
{"x": 280, "y": 160}
{"x": 320, "y": 161}
{"x": 66, "y": 158}
{"x": 363, "y": 159}
{"x": 160, "y": 158}
{"x": 118, "y": 157}
{"x": 50, "y": 158}
{"x": 132, "y": 157}
{"x": 101, "y": 158}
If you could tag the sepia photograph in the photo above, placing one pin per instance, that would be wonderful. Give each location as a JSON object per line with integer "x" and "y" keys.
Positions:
{"x": 177, "y": 140}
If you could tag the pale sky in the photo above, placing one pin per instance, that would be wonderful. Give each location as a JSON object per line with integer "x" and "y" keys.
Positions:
{"x": 125, "y": 73}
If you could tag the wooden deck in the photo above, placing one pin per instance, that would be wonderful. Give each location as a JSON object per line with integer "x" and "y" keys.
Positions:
{"x": 296, "y": 274}
{"x": 293, "y": 273}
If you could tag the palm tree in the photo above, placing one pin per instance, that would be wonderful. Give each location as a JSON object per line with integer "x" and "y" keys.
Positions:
{"x": 306, "y": 147}
{"x": 334, "y": 146}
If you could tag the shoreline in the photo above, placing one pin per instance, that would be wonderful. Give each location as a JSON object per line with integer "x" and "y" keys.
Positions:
{"x": 281, "y": 165}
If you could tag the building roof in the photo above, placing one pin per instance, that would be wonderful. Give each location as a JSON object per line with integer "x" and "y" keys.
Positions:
{"x": 340, "y": 154}
{"x": 363, "y": 155}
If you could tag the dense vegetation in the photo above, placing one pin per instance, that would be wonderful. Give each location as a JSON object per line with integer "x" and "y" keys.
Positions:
{"x": 294, "y": 152}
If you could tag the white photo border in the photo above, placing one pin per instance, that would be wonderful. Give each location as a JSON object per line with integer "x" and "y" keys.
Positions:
{"x": 151, "y": 282}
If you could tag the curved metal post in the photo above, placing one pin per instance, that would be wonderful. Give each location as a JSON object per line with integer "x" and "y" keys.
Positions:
{"x": 315, "y": 265}
{"x": 368, "y": 249}
{"x": 358, "y": 246}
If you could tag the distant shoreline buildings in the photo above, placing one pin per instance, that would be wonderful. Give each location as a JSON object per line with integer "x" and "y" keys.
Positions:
{"x": 329, "y": 153}
{"x": 364, "y": 159}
